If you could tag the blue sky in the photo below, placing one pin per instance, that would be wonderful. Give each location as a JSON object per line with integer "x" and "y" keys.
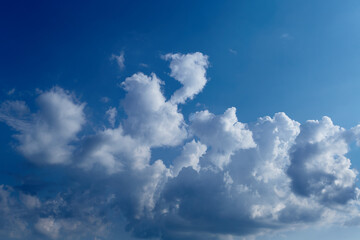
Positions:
{"x": 90, "y": 150}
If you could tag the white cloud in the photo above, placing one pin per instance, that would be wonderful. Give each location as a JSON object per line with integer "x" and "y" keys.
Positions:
{"x": 120, "y": 60}
{"x": 30, "y": 202}
{"x": 286, "y": 36}
{"x": 319, "y": 167}
{"x": 274, "y": 137}
{"x": 114, "y": 151}
{"x": 111, "y": 113}
{"x": 190, "y": 71}
{"x": 232, "y": 51}
{"x": 190, "y": 157}
{"x": 228, "y": 178}
{"x": 48, "y": 227}
{"x": 45, "y": 136}
{"x": 150, "y": 117}
{"x": 224, "y": 134}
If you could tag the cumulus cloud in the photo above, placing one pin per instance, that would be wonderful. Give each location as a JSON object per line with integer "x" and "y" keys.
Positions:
{"x": 46, "y": 135}
{"x": 224, "y": 134}
{"x": 150, "y": 117}
{"x": 112, "y": 150}
{"x": 217, "y": 177}
{"x": 190, "y": 157}
{"x": 319, "y": 167}
{"x": 190, "y": 71}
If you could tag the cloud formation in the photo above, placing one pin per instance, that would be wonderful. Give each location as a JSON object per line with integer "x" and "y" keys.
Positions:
{"x": 190, "y": 71}
{"x": 46, "y": 136}
{"x": 119, "y": 59}
{"x": 228, "y": 179}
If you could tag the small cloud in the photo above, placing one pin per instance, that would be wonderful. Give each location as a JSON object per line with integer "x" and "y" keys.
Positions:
{"x": 111, "y": 113}
{"x": 232, "y": 51}
{"x": 190, "y": 71}
{"x": 29, "y": 201}
{"x": 201, "y": 105}
{"x": 120, "y": 60}
{"x": 48, "y": 226}
{"x": 38, "y": 91}
{"x": 11, "y": 92}
{"x": 143, "y": 65}
{"x": 286, "y": 36}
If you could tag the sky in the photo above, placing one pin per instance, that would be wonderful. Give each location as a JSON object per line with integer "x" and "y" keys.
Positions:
{"x": 171, "y": 120}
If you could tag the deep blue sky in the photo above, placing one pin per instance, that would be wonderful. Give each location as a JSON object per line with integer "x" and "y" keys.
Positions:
{"x": 298, "y": 57}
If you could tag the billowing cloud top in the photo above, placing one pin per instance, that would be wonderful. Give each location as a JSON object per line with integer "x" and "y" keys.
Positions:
{"x": 229, "y": 178}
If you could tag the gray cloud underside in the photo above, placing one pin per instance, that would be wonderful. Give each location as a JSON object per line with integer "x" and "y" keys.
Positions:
{"x": 230, "y": 178}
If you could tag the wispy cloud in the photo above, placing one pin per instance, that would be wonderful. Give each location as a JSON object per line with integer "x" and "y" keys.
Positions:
{"x": 286, "y": 36}
{"x": 232, "y": 51}
{"x": 11, "y": 92}
{"x": 111, "y": 113}
{"x": 120, "y": 60}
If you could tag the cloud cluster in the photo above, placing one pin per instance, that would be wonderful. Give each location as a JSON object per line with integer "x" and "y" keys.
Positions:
{"x": 46, "y": 136}
{"x": 229, "y": 178}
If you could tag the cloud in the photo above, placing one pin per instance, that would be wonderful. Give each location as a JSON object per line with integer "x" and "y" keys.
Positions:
{"x": 232, "y": 51}
{"x": 29, "y": 201}
{"x": 217, "y": 177}
{"x": 11, "y": 92}
{"x": 190, "y": 157}
{"x": 286, "y": 36}
{"x": 68, "y": 215}
{"x": 150, "y": 117}
{"x": 111, "y": 113}
{"x": 190, "y": 71}
{"x": 46, "y": 136}
{"x": 112, "y": 150}
{"x": 319, "y": 167}
{"x": 48, "y": 227}
{"x": 233, "y": 134}
{"x": 120, "y": 60}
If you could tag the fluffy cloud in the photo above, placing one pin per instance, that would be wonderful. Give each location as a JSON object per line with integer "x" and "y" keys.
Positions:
{"x": 190, "y": 157}
{"x": 112, "y": 150}
{"x": 190, "y": 71}
{"x": 232, "y": 134}
{"x": 150, "y": 117}
{"x": 218, "y": 177}
{"x": 319, "y": 167}
{"x": 46, "y": 136}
